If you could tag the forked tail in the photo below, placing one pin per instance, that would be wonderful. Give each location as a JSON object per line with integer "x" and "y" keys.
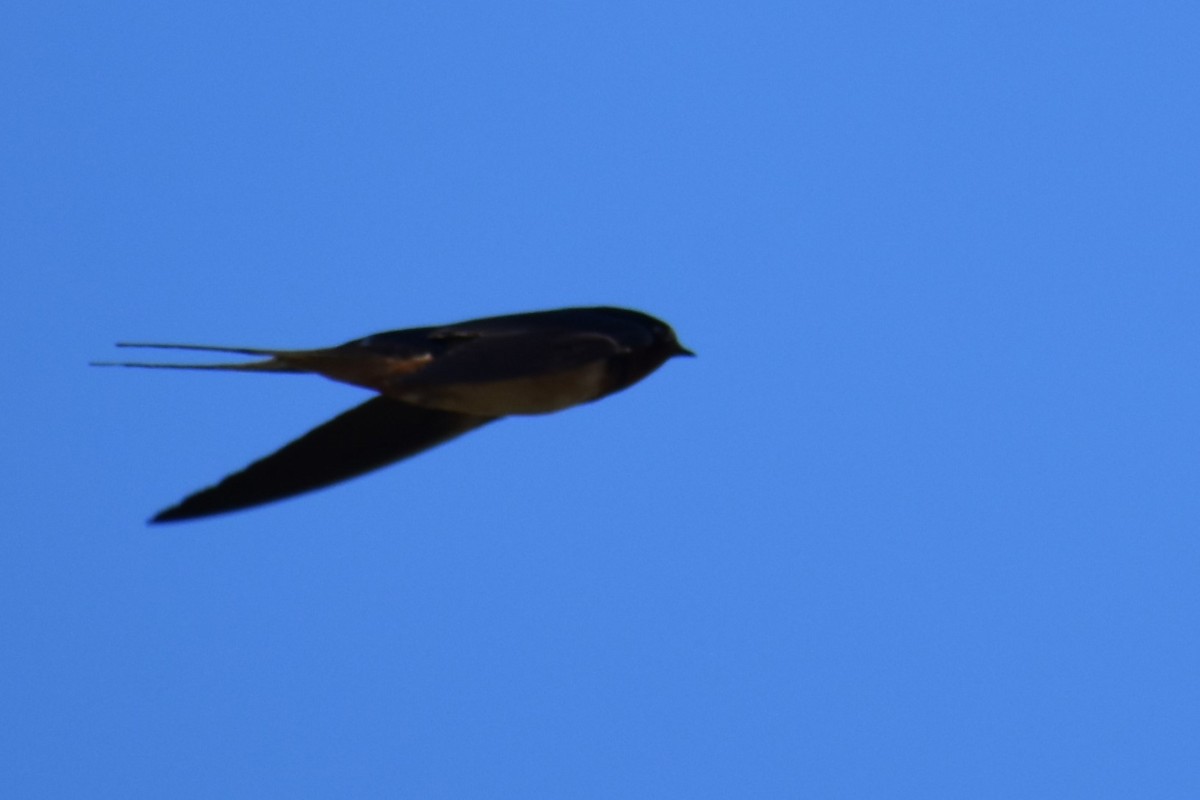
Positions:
{"x": 276, "y": 360}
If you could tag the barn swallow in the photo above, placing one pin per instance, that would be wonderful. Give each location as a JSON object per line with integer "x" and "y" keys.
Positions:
{"x": 434, "y": 384}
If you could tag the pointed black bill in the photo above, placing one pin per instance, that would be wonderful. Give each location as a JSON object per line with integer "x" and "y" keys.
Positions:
{"x": 369, "y": 436}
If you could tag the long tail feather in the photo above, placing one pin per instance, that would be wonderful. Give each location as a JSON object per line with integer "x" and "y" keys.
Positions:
{"x": 272, "y": 365}
{"x": 207, "y": 348}
{"x": 275, "y": 361}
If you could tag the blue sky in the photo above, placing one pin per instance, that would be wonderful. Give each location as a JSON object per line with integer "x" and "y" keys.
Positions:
{"x": 920, "y": 521}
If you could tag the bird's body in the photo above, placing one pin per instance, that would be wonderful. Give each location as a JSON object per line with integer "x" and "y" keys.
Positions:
{"x": 435, "y": 383}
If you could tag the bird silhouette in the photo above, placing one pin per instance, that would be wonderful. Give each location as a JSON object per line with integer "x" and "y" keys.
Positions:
{"x": 434, "y": 383}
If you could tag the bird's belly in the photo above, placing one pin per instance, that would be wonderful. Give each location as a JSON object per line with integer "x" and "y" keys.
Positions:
{"x": 540, "y": 394}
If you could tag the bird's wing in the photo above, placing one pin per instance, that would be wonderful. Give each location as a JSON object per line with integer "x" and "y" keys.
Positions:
{"x": 490, "y": 358}
{"x": 369, "y": 436}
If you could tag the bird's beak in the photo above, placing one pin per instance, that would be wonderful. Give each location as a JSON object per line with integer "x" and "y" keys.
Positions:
{"x": 680, "y": 350}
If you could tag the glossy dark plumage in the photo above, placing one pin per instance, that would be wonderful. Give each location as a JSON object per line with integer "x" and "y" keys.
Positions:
{"x": 435, "y": 383}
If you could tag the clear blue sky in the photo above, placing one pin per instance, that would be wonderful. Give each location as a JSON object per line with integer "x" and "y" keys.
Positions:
{"x": 921, "y": 520}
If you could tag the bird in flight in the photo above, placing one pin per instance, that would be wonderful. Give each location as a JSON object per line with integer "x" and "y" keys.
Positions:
{"x": 434, "y": 384}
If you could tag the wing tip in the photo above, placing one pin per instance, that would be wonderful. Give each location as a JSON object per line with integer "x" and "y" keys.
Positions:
{"x": 186, "y": 510}
{"x": 172, "y": 514}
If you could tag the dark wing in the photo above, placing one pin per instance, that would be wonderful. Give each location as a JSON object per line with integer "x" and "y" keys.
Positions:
{"x": 493, "y": 357}
{"x": 369, "y": 436}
